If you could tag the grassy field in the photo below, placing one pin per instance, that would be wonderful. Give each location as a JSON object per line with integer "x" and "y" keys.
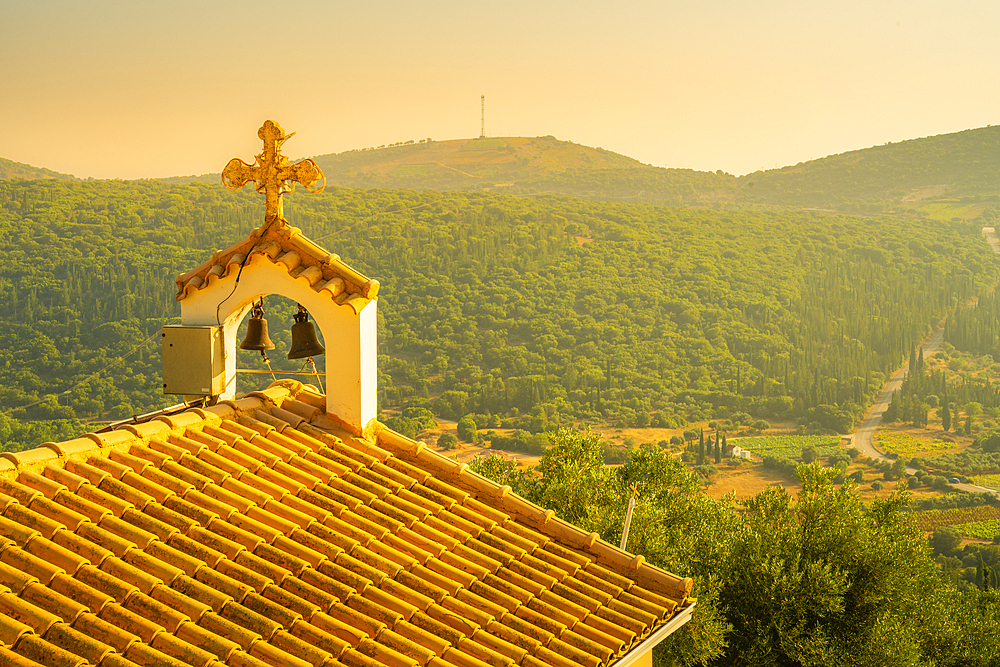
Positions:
{"x": 907, "y": 445}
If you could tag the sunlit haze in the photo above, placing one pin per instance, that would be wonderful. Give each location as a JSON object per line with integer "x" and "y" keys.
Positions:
{"x": 148, "y": 89}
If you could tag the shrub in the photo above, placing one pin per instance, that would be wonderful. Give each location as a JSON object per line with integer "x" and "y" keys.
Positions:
{"x": 467, "y": 429}
{"x": 877, "y": 485}
{"x": 707, "y": 470}
{"x": 447, "y": 441}
{"x": 945, "y": 541}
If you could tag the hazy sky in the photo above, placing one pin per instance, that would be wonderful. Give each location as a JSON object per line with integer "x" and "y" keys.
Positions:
{"x": 145, "y": 89}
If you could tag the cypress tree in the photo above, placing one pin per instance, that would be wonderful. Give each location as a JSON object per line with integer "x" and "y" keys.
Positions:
{"x": 723, "y": 446}
{"x": 945, "y": 413}
{"x": 718, "y": 447}
{"x": 701, "y": 447}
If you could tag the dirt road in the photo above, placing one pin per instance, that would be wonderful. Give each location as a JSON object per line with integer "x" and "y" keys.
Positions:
{"x": 862, "y": 438}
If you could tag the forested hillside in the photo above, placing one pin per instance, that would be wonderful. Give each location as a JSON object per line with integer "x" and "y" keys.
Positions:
{"x": 543, "y": 311}
{"x": 962, "y": 164}
{"x": 11, "y": 170}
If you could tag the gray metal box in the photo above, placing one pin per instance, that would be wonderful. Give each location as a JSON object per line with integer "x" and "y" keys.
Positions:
{"x": 193, "y": 362}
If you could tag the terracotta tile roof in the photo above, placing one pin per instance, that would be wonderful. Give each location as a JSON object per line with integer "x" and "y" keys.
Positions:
{"x": 286, "y": 247}
{"x": 256, "y": 533}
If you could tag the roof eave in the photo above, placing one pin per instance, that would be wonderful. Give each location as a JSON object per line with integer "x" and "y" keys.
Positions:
{"x": 664, "y": 631}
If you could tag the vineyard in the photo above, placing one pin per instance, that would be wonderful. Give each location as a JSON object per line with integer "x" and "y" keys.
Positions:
{"x": 906, "y": 445}
{"x": 989, "y": 481}
{"x": 961, "y": 518}
{"x": 984, "y": 530}
{"x": 788, "y": 446}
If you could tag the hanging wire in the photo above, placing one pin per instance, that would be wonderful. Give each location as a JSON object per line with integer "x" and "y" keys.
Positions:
{"x": 372, "y": 217}
{"x": 86, "y": 379}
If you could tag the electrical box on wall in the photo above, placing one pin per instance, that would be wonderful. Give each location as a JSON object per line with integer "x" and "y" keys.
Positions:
{"x": 193, "y": 362}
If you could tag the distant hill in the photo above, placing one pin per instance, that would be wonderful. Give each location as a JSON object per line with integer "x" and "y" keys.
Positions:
{"x": 906, "y": 174}
{"x": 520, "y": 165}
{"x": 514, "y": 165}
{"x": 943, "y": 177}
{"x": 10, "y": 170}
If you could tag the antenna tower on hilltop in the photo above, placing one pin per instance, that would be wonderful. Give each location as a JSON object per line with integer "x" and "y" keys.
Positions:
{"x": 482, "y": 116}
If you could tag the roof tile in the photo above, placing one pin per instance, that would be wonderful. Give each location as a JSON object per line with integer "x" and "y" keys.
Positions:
{"x": 223, "y": 584}
{"x": 202, "y": 592}
{"x": 255, "y": 577}
{"x": 56, "y": 555}
{"x": 207, "y": 641}
{"x": 22, "y": 611}
{"x": 54, "y": 602}
{"x": 315, "y": 595}
{"x": 32, "y": 520}
{"x": 37, "y": 649}
{"x": 27, "y": 564}
{"x": 183, "y": 651}
{"x": 249, "y": 619}
{"x": 96, "y": 627}
{"x": 81, "y": 505}
{"x": 41, "y": 483}
{"x": 11, "y": 630}
{"x": 63, "y": 476}
{"x": 341, "y": 551}
{"x": 229, "y": 630}
{"x": 74, "y": 589}
{"x": 273, "y": 655}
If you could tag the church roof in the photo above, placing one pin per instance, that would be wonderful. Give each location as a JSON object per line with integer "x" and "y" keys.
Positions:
{"x": 255, "y": 532}
{"x": 288, "y": 248}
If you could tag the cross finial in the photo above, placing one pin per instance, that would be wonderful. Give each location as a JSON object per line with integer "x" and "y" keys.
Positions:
{"x": 271, "y": 172}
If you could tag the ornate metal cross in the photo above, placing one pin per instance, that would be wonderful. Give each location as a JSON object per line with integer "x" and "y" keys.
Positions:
{"x": 272, "y": 173}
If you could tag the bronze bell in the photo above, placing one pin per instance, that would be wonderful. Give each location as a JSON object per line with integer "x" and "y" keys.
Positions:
{"x": 304, "y": 341}
{"x": 257, "y": 338}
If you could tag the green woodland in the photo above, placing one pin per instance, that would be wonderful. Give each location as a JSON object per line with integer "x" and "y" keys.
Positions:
{"x": 537, "y": 312}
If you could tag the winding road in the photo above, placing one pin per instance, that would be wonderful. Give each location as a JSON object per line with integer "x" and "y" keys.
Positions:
{"x": 862, "y": 438}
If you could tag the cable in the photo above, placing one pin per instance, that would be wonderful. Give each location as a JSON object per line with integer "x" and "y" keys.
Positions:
{"x": 86, "y": 379}
{"x": 372, "y": 217}
{"x": 239, "y": 273}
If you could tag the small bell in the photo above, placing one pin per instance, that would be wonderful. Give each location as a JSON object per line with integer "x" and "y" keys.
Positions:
{"x": 257, "y": 338}
{"x": 304, "y": 341}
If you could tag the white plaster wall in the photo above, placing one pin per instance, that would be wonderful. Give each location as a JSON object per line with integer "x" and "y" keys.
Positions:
{"x": 350, "y": 339}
